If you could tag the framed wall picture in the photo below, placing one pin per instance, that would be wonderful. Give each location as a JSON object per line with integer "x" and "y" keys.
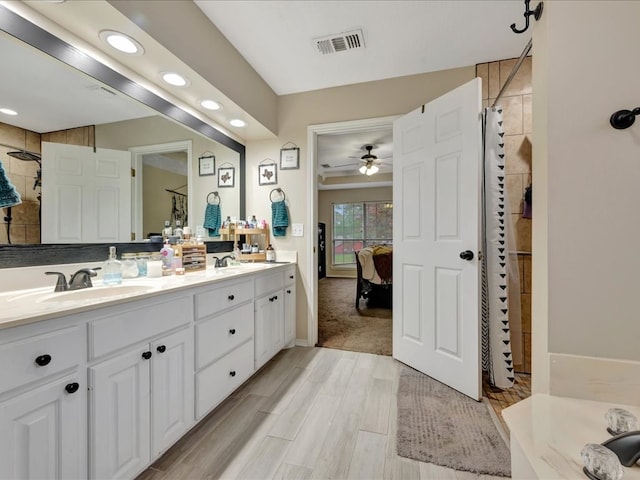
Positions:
{"x": 226, "y": 177}
{"x": 268, "y": 174}
{"x": 206, "y": 165}
{"x": 289, "y": 158}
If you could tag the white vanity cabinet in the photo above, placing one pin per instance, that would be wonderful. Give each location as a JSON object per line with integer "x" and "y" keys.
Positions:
{"x": 269, "y": 316}
{"x": 290, "y": 306}
{"x": 141, "y": 383}
{"x": 43, "y": 395}
{"x": 224, "y": 341}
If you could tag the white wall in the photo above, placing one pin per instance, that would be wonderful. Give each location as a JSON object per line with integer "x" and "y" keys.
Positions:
{"x": 585, "y": 273}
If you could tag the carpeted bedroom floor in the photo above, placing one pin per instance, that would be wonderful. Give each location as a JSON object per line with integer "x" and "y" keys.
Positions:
{"x": 343, "y": 327}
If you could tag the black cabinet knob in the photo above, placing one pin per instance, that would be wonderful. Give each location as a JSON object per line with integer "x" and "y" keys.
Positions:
{"x": 288, "y": 291}
{"x": 72, "y": 387}
{"x": 146, "y": 355}
{"x": 466, "y": 255}
{"x": 290, "y": 276}
{"x": 43, "y": 360}
{"x": 271, "y": 299}
{"x": 232, "y": 373}
{"x": 231, "y": 297}
{"x": 232, "y": 331}
{"x": 161, "y": 348}
{"x": 276, "y": 297}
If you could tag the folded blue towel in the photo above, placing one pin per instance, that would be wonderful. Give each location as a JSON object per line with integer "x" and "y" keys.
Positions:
{"x": 279, "y": 218}
{"x": 212, "y": 219}
{"x": 9, "y": 196}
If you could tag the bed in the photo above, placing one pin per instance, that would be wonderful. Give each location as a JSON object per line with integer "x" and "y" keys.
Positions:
{"x": 374, "y": 267}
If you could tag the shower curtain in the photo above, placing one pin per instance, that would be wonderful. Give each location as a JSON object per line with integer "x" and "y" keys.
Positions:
{"x": 501, "y": 327}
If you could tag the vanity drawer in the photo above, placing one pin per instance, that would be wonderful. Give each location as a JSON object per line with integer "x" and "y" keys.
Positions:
{"x": 218, "y": 380}
{"x": 219, "y": 335}
{"x": 37, "y": 357}
{"x": 269, "y": 283}
{"x": 223, "y": 297}
{"x": 143, "y": 321}
{"x": 290, "y": 275}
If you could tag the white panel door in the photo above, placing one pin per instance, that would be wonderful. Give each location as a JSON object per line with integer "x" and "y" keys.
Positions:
{"x": 172, "y": 390}
{"x": 44, "y": 432}
{"x": 119, "y": 415}
{"x": 437, "y": 207}
{"x": 86, "y": 195}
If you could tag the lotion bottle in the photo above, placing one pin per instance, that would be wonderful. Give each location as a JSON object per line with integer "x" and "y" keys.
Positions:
{"x": 112, "y": 273}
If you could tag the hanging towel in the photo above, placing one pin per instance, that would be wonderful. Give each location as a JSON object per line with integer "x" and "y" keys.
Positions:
{"x": 9, "y": 196}
{"x": 212, "y": 219}
{"x": 279, "y": 218}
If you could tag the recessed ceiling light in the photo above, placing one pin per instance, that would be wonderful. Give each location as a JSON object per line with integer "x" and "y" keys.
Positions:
{"x": 236, "y": 122}
{"x": 121, "y": 42}
{"x": 8, "y": 111}
{"x": 211, "y": 105}
{"x": 174, "y": 79}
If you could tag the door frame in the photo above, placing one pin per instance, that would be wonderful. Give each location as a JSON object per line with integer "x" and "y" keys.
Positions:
{"x": 136, "y": 188}
{"x": 313, "y": 131}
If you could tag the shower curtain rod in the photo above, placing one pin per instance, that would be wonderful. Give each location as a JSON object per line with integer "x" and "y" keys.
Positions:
{"x": 515, "y": 69}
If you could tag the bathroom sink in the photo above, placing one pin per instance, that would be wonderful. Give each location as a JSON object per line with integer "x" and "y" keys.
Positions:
{"x": 95, "y": 293}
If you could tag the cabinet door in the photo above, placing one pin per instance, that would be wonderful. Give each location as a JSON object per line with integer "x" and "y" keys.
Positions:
{"x": 263, "y": 321}
{"x": 172, "y": 389}
{"x": 269, "y": 327}
{"x": 120, "y": 415}
{"x": 289, "y": 315}
{"x": 43, "y": 432}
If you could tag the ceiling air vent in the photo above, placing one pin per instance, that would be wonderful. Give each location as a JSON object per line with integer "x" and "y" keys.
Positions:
{"x": 340, "y": 42}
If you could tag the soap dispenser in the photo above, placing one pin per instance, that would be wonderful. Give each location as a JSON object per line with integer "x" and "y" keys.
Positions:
{"x": 112, "y": 273}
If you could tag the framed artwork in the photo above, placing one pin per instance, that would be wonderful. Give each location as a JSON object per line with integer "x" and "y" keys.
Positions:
{"x": 289, "y": 158}
{"x": 267, "y": 174}
{"x": 206, "y": 165}
{"x": 226, "y": 177}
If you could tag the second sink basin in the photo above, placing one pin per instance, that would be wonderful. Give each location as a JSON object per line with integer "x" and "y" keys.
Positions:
{"x": 101, "y": 292}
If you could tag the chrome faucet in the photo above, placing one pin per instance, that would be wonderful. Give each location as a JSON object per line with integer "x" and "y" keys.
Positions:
{"x": 223, "y": 262}
{"x": 80, "y": 279}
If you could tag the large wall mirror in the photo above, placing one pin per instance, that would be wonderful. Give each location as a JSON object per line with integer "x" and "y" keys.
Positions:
{"x": 67, "y": 100}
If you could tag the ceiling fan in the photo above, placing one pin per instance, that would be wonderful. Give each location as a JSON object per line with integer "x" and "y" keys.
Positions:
{"x": 369, "y": 162}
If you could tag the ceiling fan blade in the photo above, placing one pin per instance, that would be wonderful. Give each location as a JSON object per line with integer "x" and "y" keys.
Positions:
{"x": 345, "y": 165}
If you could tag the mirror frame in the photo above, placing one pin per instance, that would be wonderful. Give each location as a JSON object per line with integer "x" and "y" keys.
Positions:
{"x": 49, "y": 254}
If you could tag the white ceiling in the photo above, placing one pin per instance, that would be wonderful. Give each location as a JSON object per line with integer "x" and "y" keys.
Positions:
{"x": 401, "y": 37}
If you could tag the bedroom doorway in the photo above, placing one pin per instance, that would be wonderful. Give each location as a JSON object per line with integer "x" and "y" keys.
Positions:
{"x": 346, "y": 193}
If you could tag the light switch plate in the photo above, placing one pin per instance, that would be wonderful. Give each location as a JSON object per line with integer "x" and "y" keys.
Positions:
{"x": 297, "y": 229}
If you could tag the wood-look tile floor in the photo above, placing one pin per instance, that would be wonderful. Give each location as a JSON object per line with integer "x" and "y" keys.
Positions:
{"x": 309, "y": 413}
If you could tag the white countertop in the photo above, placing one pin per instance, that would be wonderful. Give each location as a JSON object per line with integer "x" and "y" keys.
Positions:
{"x": 21, "y": 307}
{"x": 552, "y": 431}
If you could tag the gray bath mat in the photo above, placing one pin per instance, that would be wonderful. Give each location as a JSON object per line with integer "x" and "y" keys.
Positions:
{"x": 437, "y": 424}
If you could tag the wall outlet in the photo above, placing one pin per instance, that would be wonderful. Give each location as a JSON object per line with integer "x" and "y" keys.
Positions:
{"x": 297, "y": 230}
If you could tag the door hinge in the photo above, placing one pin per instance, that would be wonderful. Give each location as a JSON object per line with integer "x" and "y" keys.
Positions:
{"x": 133, "y": 236}
{"x": 423, "y": 108}
{"x": 133, "y": 172}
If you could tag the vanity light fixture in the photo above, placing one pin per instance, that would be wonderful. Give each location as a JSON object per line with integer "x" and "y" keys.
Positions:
{"x": 8, "y": 111}
{"x": 175, "y": 79}
{"x": 236, "y": 122}
{"x": 211, "y": 105}
{"x": 121, "y": 42}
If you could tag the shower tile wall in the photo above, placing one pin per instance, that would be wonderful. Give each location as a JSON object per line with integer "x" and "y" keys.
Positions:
{"x": 25, "y": 224}
{"x": 516, "y": 103}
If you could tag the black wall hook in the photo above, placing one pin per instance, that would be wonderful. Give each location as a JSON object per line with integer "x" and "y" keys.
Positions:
{"x": 537, "y": 13}
{"x": 624, "y": 118}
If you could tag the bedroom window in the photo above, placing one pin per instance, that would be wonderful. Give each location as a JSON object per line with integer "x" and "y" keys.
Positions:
{"x": 358, "y": 225}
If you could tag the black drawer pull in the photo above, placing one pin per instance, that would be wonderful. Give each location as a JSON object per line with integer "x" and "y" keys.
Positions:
{"x": 288, "y": 291}
{"x": 161, "y": 348}
{"x": 271, "y": 299}
{"x": 72, "y": 387}
{"x": 232, "y": 373}
{"x": 231, "y": 297}
{"x": 43, "y": 360}
{"x": 146, "y": 355}
{"x": 232, "y": 331}
{"x": 290, "y": 276}
{"x": 275, "y": 297}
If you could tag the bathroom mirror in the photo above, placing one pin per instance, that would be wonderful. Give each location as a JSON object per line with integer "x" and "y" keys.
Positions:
{"x": 159, "y": 135}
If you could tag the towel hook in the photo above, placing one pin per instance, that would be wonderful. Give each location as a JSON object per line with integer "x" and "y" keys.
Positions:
{"x": 279, "y": 190}
{"x": 215, "y": 195}
{"x": 537, "y": 13}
